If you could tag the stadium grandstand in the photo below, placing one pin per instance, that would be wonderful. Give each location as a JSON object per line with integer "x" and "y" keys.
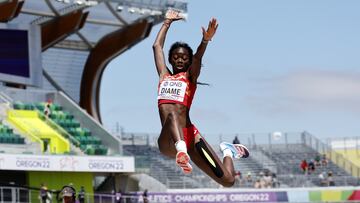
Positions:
{"x": 52, "y": 56}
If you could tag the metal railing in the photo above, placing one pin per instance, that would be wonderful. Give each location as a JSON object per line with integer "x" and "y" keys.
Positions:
{"x": 270, "y": 140}
{"x": 11, "y": 194}
{"x": 331, "y": 154}
{"x": 33, "y": 135}
{"x": 110, "y": 141}
{"x": 14, "y": 194}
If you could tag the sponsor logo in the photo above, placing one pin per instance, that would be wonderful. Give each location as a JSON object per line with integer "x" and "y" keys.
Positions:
{"x": 241, "y": 150}
{"x": 105, "y": 165}
{"x": 68, "y": 163}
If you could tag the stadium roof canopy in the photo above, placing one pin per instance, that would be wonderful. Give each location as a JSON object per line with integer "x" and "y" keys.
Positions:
{"x": 103, "y": 17}
{"x": 80, "y": 37}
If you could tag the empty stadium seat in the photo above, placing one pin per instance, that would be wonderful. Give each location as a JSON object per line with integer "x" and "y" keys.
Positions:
{"x": 7, "y": 136}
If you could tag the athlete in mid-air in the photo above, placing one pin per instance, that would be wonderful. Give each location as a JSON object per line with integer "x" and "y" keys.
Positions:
{"x": 179, "y": 138}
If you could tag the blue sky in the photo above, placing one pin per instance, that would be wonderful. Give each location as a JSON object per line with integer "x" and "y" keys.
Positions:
{"x": 272, "y": 66}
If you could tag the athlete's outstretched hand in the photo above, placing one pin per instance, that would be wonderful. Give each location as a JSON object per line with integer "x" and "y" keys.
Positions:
{"x": 211, "y": 30}
{"x": 173, "y": 15}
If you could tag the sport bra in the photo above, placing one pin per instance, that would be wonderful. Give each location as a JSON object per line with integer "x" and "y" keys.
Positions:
{"x": 176, "y": 89}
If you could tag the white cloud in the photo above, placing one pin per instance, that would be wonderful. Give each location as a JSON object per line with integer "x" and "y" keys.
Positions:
{"x": 322, "y": 86}
{"x": 309, "y": 90}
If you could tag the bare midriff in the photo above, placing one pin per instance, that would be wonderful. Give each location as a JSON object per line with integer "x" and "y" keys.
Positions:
{"x": 180, "y": 110}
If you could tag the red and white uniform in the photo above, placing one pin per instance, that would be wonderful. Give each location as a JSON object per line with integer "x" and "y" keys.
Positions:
{"x": 176, "y": 89}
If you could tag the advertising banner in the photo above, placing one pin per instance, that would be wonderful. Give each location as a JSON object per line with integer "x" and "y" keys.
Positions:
{"x": 209, "y": 197}
{"x": 66, "y": 163}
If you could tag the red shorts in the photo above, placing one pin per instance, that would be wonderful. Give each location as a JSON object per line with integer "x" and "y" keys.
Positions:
{"x": 189, "y": 135}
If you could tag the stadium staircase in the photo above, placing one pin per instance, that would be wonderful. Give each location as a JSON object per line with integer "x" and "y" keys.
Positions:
{"x": 11, "y": 140}
{"x": 31, "y": 123}
{"x": 148, "y": 159}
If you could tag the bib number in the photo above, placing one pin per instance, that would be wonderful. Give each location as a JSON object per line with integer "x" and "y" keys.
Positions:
{"x": 172, "y": 90}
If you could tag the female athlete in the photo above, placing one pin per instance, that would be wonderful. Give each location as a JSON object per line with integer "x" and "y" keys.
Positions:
{"x": 179, "y": 138}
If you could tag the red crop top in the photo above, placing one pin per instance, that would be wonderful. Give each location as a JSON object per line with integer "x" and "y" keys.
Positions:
{"x": 176, "y": 89}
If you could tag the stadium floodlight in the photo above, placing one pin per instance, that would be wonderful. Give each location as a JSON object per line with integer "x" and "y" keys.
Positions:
{"x": 86, "y": 2}
{"x": 63, "y": 1}
{"x": 80, "y": 2}
{"x": 132, "y": 9}
{"x": 151, "y": 7}
{"x": 120, "y": 8}
{"x": 154, "y": 13}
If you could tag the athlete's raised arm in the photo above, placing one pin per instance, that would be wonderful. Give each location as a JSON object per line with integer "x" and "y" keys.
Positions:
{"x": 158, "y": 45}
{"x": 207, "y": 36}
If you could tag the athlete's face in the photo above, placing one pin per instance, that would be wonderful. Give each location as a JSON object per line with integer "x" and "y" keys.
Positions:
{"x": 180, "y": 60}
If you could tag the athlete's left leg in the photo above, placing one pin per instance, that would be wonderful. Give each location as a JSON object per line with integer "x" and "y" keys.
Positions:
{"x": 206, "y": 159}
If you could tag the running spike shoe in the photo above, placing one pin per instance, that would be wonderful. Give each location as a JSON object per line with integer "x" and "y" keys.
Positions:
{"x": 238, "y": 150}
{"x": 183, "y": 160}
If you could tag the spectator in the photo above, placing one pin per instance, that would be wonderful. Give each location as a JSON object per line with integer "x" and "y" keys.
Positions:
{"x": 238, "y": 177}
{"x": 330, "y": 179}
{"x": 262, "y": 180}
{"x": 145, "y": 196}
{"x": 311, "y": 166}
{"x": 68, "y": 194}
{"x": 236, "y": 140}
{"x": 81, "y": 195}
{"x": 43, "y": 193}
{"x": 324, "y": 160}
{"x": 268, "y": 179}
{"x": 47, "y": 109}
{"x": 304, "y": 166}
{"x": 317, "y": 160}
{"x": 238, "y": 174}
{"x": 118, "y": 195}
{"x": 275, "y": 182}
{"x": 323, "y": 182}
{"x": 248, "y": 177}
{"x": 257, "y": 184}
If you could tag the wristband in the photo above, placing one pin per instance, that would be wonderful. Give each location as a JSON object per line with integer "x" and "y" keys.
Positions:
{"x": 204, "y": 41}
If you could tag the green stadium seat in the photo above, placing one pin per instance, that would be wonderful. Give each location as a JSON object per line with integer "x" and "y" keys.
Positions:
{"x": 88, "y": 143}
{"x": 68, "y": 115}
{"x": 87, "y": 132}
{"x": 29, "y": 107}
{"x": 7, "y": 136}
{"x": 90, "y": 150}
{"x": 7, "y": 139}
{"x": 20, "y": 140}
{"x": 18, "y": 105}
{"x": 9, "y": 130}
{"x": 82, "y": 147}
{"x": 40, "y": 106}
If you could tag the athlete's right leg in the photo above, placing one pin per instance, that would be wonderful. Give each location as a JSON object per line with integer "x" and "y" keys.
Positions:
{"x": 170, "y": 134}
{"x": 171, "y": 142}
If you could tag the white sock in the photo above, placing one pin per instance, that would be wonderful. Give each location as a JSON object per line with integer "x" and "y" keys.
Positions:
{"x": 180, "y": 146}
{"x": 227, "y": 152}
